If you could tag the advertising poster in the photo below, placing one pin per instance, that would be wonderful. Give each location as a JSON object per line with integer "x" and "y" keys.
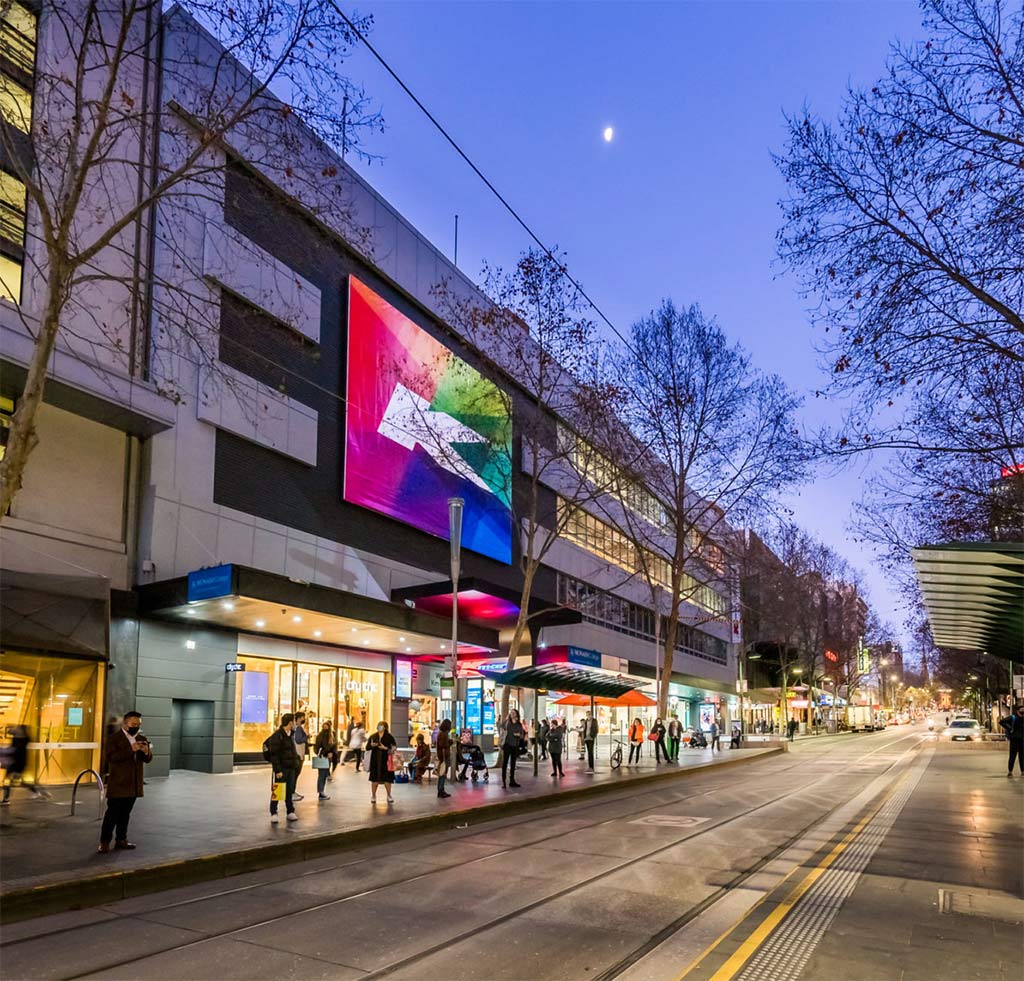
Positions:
{"x": 474, "y": 700}
{"x": 403, "y": 678}
{"x": 423, "y": 426}
{"x": 255, "y": 688}
{"x": 707, "y": 715}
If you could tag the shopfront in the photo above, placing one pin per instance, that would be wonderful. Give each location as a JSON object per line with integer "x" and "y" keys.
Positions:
{"x": 343, "y": 693}
{"x": 59, "y": 701}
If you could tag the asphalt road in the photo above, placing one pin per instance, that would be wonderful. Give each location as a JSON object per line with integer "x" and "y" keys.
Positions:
{"x": 745, "y": 873}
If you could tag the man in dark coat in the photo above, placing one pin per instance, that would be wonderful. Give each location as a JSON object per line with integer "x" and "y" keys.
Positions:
{"x": 590, "y": 738}
{"x": 1013, "y": 726}
{"x": 124, "y": 757}
{"x": 285, "y": 760}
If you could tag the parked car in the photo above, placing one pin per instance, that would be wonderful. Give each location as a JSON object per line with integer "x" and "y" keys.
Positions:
{"x": 964, "y": 730}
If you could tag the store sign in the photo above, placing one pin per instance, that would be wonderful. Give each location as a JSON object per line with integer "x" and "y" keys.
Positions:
{"x": 360, "y": 686}
{"x": 74, "y": 716}
{"x": 832, "y": 656}
{"x": 422, "y": 426}
{"x": 863, "y": 658}
{"x": 232, "y": 666}
{"x": 799, "y": 703}
{"x": 403, "y": 678}
{"x": 580, "y": 655}
{"x": 255, "y": 691}
{"x": 211, "y": 583}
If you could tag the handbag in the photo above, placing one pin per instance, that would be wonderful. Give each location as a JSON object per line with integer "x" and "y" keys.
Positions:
{"x": 277, "y": 790}
{"x": 652, "y": 736}
{"x": 321, "y": 763}
{"x": 392, "y": 766}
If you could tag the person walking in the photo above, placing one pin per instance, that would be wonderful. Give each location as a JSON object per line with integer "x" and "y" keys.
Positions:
{"x": 657, "y": 736}
{"x": 284, "y": 760}
{"x": 325, "y": 748}
{"x": 716, "y": 735}
{"x": 556, "y": 743}
{"x": 590, "y": 739}
{"x": 124, "y": 759}
{"x": 542, "y": 738}
{"x": 301, "y": 739}
{"x": 636, "y": 741}
{"x": 444, "y": 756}
{"x": 674, "y": 735}
{"x": 791, "y": 728}
{"x": 511, "y": 741}
{"x": 1013, "y": 726}
{"x": 356, "y": 744}
{"x": 15, "y": 760}
{"x": 382, "y": 764}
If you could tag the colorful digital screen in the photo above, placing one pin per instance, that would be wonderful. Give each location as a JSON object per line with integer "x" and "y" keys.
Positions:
{"x": 403, "y": 678}
{"x": 255, "y": 689}
{"x": 424, "y": 426}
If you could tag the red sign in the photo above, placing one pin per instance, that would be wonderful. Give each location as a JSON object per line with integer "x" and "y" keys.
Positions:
{"x": 831, "y": 656}
{"x": 1010, "y": 471}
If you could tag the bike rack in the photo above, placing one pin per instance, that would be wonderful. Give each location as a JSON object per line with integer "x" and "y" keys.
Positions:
{"x": 99, "y": 785}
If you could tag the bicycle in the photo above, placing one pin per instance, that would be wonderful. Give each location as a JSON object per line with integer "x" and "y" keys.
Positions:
{"x": 616, "y": 757}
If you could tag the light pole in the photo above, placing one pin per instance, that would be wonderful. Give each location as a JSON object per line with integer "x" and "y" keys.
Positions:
{"x": 455, "y": 508}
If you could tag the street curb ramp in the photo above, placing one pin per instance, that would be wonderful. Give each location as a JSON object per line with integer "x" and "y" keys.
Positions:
{"x": 111, "y": 887}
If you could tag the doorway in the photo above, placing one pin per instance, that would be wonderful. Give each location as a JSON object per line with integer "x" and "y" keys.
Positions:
{"x": 192, "y": 735}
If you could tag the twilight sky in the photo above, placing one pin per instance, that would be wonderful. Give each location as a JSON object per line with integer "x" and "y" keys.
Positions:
{"x": 682, "y": 203}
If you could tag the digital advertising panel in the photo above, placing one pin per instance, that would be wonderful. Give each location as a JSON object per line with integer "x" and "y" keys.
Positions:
{"x": 423, "y": 426}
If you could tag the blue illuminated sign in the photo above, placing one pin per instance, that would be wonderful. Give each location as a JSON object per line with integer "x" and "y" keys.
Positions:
{"x": 580, "y": 655}
{"x": 211, "y": 583}
{"x": 255, "y": 691}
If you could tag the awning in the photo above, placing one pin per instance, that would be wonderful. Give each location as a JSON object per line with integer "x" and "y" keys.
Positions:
{"x": 561, "y": 677}
{"x": 974, "y": 595}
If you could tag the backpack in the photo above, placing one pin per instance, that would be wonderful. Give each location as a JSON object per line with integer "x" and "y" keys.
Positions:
{"x": 268, "y": 748}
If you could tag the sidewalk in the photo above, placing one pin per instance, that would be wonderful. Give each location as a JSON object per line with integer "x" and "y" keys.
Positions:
{"x": 194, "y": 826}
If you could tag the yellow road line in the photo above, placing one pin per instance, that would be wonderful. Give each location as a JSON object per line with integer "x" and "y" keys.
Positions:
{"x": 750, "y": 945}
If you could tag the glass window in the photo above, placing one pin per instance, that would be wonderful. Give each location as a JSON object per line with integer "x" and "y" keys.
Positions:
{"x": 57, "y": 699}
{"x": 10, "y": 279}
{"x": 15, "y": 103}
{"x": 361, "y": 697}
{"x": 263, "y": 693}
{"x": 18, "y": 36}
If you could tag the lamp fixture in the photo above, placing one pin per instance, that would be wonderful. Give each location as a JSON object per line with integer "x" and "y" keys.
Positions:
{"x": 318, "y": 633}
{"x": 261, "y": 623}
{"x": 228, "y": 605}
{"x": 296, "y": 619}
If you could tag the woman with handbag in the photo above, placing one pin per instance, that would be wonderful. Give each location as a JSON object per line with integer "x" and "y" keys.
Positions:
{"x": 511, "y": 742}
{"x": 657, "y": 736}
{"x": 383, "y": 761}
{"x": 324, "y": 750}
{"x": 636, "y": 741}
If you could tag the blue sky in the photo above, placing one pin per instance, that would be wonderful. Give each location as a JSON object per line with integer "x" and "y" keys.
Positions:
{"x": 683, "y": 201}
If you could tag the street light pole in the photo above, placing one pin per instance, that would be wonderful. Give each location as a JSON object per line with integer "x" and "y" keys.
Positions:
{"x": 455, "y": 509}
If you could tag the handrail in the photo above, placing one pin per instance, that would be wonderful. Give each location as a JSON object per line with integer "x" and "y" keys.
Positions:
{"x": 99, "y": 785}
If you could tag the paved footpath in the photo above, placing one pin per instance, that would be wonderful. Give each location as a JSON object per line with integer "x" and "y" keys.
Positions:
{"x": 191, "y": 816}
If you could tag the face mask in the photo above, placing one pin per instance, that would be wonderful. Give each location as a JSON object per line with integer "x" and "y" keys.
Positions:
{"x": 132, "y": 730}
{"x": 380, "y": 728}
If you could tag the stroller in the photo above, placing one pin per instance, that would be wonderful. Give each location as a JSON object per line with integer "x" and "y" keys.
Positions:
{"x": 470, "y": 756}
{"x": 697, "y": 739}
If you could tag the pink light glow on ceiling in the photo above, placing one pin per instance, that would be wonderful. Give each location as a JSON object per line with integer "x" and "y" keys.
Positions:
{"x": 473, "y": 605}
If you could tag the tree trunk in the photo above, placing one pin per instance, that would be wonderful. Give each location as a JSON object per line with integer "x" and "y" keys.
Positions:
{"x": 667, "y": 656}
{"x": 522, "y": 625}
{"x": 22, "y": 438}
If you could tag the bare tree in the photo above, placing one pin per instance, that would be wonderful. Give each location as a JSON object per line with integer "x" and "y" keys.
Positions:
{"x": 905, "y": 220}
{"x": 725, "y": 441}
{"x": 111, "y": 122}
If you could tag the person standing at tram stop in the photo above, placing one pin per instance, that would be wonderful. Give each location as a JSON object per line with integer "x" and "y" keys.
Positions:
{"x": 590, "y": 739}
{"x": 542, "y": 738}
{"x": 325, "y": 748}
{"x": 636, "y": 741}
{"x": 511, "y": 740}
{"x": 674, "y": 735}
{"x": 279, "y": 750}
{"x": 716, "y": 735}
{"x": 382, "y": 766}
{"x": 443, "y": 745}
{"x": 555, "y": 745}
{"x": 301, "y": 739}
{"x": 124, "y": 757}
{"x": 657, "y": 736}
{"x": 1013, "y": 726}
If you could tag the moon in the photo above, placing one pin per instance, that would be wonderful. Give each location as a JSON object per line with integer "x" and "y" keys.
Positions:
{"x": 608, "y": 134}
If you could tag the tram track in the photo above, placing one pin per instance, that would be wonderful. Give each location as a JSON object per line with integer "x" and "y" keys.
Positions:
{"x": 497, "y": 921}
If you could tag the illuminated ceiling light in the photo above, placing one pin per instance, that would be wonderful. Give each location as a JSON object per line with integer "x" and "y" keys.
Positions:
{"x": 6, "y": 698}
{"x": 318, "y": 633}
{"x": 366, "y": 640}
{"x": 355, "y": 630}
{"x": 190, "y": 645}
{"x": 63, "y": 696}
{"x": 401, "y": 640}
{"x": 228, "y": 605}
{"x": 296, "y": 619}
{"x": 261, "y": 623}
{"x": 191, "y": 613}
{"x": 408, "y": 650}
{"x": 443, "y": 646}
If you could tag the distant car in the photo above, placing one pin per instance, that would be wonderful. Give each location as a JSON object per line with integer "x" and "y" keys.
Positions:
{"x": 964, "y": 730}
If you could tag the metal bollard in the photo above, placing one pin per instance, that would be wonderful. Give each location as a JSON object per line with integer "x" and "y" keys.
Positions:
{"x": 99, "y": 785}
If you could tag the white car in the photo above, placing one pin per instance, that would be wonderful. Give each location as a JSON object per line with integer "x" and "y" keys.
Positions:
{"x": 964, "y": 730}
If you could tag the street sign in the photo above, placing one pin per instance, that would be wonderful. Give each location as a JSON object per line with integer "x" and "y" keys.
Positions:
{"x": 1018, "y": 682}
{"x": 742, "y": 686}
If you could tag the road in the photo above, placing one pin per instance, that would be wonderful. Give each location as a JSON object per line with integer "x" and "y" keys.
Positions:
{"x": 825, "y": 862}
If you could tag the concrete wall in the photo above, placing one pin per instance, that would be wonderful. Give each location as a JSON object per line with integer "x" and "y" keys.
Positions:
{"x": 169, "y": 670}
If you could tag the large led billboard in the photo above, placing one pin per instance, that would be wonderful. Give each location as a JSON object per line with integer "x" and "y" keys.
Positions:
{"x": 424, "y": 426}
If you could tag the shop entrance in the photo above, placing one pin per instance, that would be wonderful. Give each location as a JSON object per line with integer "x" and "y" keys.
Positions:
{"x": 192, "y": 735}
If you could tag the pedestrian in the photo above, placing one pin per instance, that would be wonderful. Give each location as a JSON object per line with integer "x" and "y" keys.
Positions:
{"x": 556, "y": 743}
{"x": 590, "y": 738}
{"x": 325, "y": 748}
{"x": 420, "y": 759}
{"x": 674, "y": 734}
{"x": 716, "y": 735}
{"x": 542, "y": 738}
{"x": 279, "y": 751}
{"x": 356, "y": 743}
{"x": 737, "y": 736}
{"x": 382, "y": 761}
{"x": 579, "y": 729}
{"x": 301, "y": 740}
{"x": 444, "y": 756}
{"x": 791, "y": 728}
{"x": 1013, "y": 726}
{"x": 657, "y": 736}
{"x": 636, "y": 741}
{"x": 15, "y": 760}
{"x": 512, "y": 737}
{"x": 124, "y": 758}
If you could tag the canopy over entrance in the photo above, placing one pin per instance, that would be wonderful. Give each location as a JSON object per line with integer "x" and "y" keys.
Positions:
{"x": 561, "y": 677}
{"x": 974, "y": 594}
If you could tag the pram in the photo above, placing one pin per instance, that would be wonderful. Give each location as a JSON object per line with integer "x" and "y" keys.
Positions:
{"x": 470, "y": 756}
{"x": 697, "y": 739}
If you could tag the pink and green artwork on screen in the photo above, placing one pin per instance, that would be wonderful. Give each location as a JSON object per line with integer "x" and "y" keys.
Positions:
{"x": 424, "y": 426}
